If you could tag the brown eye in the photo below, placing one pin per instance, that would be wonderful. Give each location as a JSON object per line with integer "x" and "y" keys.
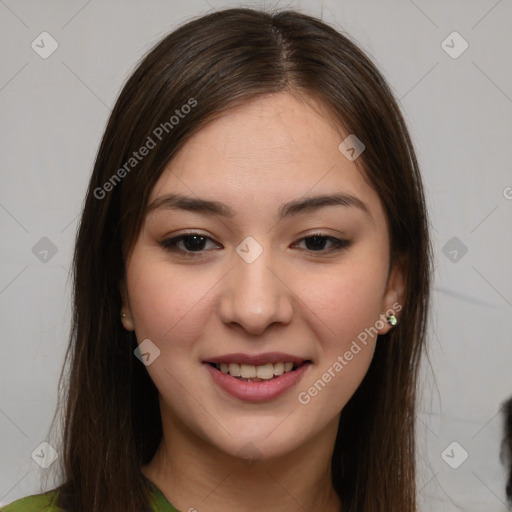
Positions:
{"x": 191, "y": 244}
{"x": 186, "y": 243}
{"x": 317, "y": 242}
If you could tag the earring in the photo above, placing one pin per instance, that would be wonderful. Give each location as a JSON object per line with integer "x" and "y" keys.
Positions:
{"x": 123, "y": 315}
{"x": 392, "y": 320}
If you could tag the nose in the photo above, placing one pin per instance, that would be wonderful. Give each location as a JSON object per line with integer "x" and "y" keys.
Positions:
{"x": 255, "y": 295}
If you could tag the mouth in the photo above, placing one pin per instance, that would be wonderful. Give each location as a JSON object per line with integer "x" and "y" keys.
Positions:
{"x": 257, "y": 378}
{"x": 257, "y": 373}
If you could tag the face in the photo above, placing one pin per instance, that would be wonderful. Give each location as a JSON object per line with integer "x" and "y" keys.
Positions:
{"x": 262, "y": 304}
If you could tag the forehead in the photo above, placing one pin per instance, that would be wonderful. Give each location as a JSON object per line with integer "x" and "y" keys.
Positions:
{"x": 266, "y": 152}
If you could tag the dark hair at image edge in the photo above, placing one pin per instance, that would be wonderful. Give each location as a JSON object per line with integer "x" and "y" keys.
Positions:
{"x": 506, "y": 447}
{"x": 111, "y": 422}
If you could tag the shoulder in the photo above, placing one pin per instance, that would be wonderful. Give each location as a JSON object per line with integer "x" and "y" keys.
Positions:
{"x": 44, "y": 502}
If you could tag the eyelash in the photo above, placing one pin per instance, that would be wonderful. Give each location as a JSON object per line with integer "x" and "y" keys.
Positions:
{"x": 170, "y": 244}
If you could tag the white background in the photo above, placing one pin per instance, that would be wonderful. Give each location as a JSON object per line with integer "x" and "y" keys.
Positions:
{"x": 459, "y": 111}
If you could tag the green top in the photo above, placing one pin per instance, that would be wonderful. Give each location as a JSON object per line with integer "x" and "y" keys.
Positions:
{"x": 45, "y": 502}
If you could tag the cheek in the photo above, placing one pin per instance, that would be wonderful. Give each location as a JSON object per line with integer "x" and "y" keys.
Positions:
{"x": 347, "y": 306}
{"x": 167, "y": 301}
{"x": 348, "y": 299}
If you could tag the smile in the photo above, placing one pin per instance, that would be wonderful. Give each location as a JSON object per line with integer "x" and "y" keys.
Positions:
{"x": 252, "y": 373}
{"x": 256, "y": 378}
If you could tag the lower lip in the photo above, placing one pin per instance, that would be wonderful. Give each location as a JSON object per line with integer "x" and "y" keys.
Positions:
{"x": 257, "y": 391}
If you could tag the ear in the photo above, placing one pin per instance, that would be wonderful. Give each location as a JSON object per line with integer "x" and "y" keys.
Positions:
{"x": 127, "y": 319}
{"x": 393, "y": 300}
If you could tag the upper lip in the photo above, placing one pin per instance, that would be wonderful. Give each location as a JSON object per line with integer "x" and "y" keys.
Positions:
{"x": 257, "y": 359}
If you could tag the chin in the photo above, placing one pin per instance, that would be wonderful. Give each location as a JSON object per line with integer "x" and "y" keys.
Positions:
{"x": 254, "y": 440}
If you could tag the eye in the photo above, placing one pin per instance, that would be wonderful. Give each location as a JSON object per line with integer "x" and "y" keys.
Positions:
{"x": 190, "y": 244}
{"x": 186, "y": 244}
{"x": 316, "y": 243}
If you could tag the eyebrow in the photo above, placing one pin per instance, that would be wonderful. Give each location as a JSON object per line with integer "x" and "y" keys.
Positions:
{"x": 296, "y": 207}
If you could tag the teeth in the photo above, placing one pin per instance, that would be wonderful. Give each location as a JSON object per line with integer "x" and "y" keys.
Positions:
{"x": 265, "y": 372}
{"x": 278, "y": 369}
{"x": 234, "y": 369}
{"x": 248, "y": 371}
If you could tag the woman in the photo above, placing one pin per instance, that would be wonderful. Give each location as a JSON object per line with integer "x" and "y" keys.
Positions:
{"x": 251, "y": 282}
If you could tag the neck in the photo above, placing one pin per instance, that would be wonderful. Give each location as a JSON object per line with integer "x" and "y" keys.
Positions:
{"x": 194, "y": 475}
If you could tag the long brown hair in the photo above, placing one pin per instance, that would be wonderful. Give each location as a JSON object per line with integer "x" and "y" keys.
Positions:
{"x": 111, "y": 423}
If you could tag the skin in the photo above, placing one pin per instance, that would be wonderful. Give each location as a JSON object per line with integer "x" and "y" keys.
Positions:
{"x": 294, "y": 298}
